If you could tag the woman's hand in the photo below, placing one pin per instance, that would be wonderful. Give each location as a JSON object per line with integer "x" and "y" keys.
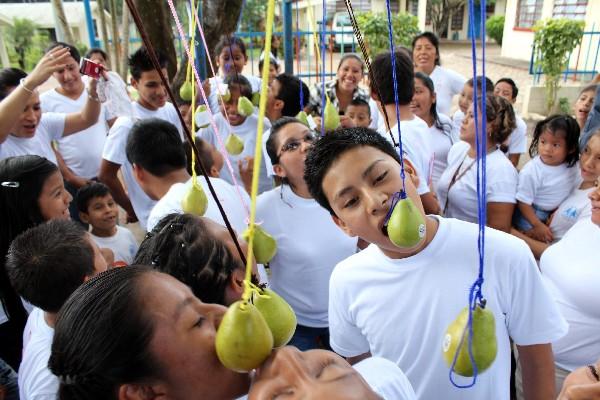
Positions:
{"x": 246, "y": 168}
{"x": 51, "y": 62}
{"x": 541, "y": 232}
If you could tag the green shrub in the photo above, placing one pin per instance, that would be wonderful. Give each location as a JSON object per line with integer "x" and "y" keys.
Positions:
{"x": 374, "y": 29}
{"x": 495, "y": 28}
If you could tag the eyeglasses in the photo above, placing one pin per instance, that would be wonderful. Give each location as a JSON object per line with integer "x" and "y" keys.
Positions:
{"x": 294, "y": 145}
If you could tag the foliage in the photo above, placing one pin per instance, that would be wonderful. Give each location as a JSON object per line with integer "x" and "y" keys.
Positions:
{"x": 554, "y": 39}
{"x": 374, "y": 29}
{"x": 440, "y": 10}
{"x": 494, "y": 27}
{"x": 564, "y": 106}
{"x": 253, "y": 15}
{"x": 26, "y": 42}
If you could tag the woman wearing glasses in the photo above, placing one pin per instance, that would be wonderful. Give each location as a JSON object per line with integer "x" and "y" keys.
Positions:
{"x": 309, "y": 244}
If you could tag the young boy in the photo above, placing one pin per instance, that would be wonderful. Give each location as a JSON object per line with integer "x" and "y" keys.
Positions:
{"x": 151, "y": 103}
{"x": 517, "y": 141}
{"x": 98, "y": 208}
{"x": 466, "y": 98}
{"x": 273, "y": 68}
{"x": 359, "y": 112}
{"x": 398, "y": 302}
{"x": 45, "y": 265}
{"x": 229, "y": 121}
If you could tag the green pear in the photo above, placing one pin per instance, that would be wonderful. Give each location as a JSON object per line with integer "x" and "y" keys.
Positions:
{"x": 223, "y": 90}
{"x": 302, "y": 117}
{"x": 264, "y": 246}
{"x": 256, "y": 98}
{"x": 202, "y": 116}
{"x": 279, "y": 315}
{"x": 331, "y": 117}
{"x": 245, "y": 107}
{"x": 484, "y": 343}
{"x": 406, "y": 226}
{"x": 243, "y": 340}
{"x": 234, "y": 144}
{"x": 195, "y": 200}
{"x": 185, "y": 91}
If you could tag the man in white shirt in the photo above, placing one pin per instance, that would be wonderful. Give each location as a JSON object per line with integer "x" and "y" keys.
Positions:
{"x": 517, "y": 141}
{"x": 151, "y": 103}
{"x": 43, "y": 276}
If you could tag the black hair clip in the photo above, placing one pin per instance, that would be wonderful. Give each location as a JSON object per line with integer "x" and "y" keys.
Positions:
{"x": 10, "y": 184}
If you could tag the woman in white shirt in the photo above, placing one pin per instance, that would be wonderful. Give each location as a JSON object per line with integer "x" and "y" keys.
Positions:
{"x": 426, "y": 56}
{"x": 457, "y": 187}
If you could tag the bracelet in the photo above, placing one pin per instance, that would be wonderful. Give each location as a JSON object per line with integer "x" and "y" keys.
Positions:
{"x": 22, "y": 84}
{"x": 594, "y": 372}
{"x": 96, "y": 99}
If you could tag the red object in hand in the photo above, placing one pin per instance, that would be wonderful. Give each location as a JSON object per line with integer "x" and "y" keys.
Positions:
{"x": 90, "y": 68}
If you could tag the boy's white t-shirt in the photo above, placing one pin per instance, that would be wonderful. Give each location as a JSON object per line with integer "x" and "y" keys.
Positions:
{"x": 81, "y": 151}
{"x": 50, "y": 128}
{"x": 123, "y": 245}
{"x": 570, "y": 270}
{"x": 166, "y": 112}
{"x": 114, "y": 151}
{"x": 575, "y": 208}
{"x": 36, "y": 382}
{"x": 213, "y": 98}
{"x": 399, "y": 309}
{"x": 247, "y": 132}
{"x": 440, "y": 141}
{"x": 546, "y": 186}
{"x": 309, "y": 245}
{"x": 446, "y": 84}
{"x": 517, "y": 140}
{"x": 502, "y": 179}
{"x": 457, "y": 120}
{"x": 385, "y": 378}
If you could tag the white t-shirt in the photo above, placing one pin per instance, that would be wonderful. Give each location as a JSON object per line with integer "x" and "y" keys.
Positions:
{"x": 502, "y": 179}
{"x": 517, "y": 140}
{"x": 247, "y": 132}
{"x": 447, "y": 84}
{"x": 377, "y": 118}
{"x": 457, "y": 120}
{"x": 399, "y": 309}
{"x": 82, "y": 151}
{"x": 114, "y": 151}
{"x": 213, "y": 98}
{"x": 51, "y": 127}
{"x": 575, "y": 208}
{"x": 546, "y": 186}
{"x": 36, "y": 382}
{"x": 309, "y": 245}
{"x": 385, "y": 378}
{"x": 123, "y": 245}
{"x": 570, "y": 270}
{"x": 440, "y": 141}
{"x": 166, "y": 112}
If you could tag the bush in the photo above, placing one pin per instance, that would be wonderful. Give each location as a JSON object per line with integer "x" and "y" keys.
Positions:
{"x": 495, "y": 28}
{"x": 374, "y": 29}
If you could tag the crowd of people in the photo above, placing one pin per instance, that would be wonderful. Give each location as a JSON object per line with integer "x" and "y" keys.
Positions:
{"x": 90, "y": 311}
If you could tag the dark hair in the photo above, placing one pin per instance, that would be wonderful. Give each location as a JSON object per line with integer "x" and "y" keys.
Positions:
{"x": 88, "y": 192}
{"x": 559, "y": 125}
{"x": 500, "y": 117}
{"x": 230, "y": 41}
{"x": 352, "y": 56}
{"x": 140, "y": 62}
{"x": 587, "y": 88}
{"x": 513, "y": 85}
{"x": 271, "y": 145}
{"x": 155, "y": 145}
{"x": 181, "y": 245}
{"x": 95, "y": 50}
{"x": 489, "y": 85}
{"x": 272, "y": 62}
{"x": 9, "y": 79}
{"x": 426, "y": 80}
{"x": 433, "y": 39}
{"x": 48, "y": 262}
{"x": 72, "y": 49}
{"x": 330, "y": 147}
{"x": 21, "y": 181}
{"x": 381, "y": 68}
{"x": 241, "y": 81}
{"x": 289, "y": 93}
{"x": 102, "y": 337}
{"x": 358, "y": 102}
{"x": 204, "y": 152}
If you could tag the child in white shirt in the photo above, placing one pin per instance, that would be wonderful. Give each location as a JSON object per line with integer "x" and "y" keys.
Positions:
{"x": 466, "y": 99}
{"x": 516, "y": 144}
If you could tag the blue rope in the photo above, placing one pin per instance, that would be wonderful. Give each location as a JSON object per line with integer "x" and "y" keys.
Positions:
{"x": 298, "y": 50}
{"x": 475, "y": 292}
{"x": 393, "y": 55}
{"x": 323, "y": 27}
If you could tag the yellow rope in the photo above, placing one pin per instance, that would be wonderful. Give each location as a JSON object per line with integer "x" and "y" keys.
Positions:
{"x": 189, "y": 70}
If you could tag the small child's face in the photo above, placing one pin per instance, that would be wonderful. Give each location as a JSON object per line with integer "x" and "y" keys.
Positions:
{"x": 359, "y": 187}
{"x": 102, "y": 213}
{"x": 552, "y": 148}
{"x": 505, "y": 90}
{"x": 218, "y": 161}
{"x": 232, "y": 61}
{"x": 583, "y": 105}
{"x": 360, "y": 115}
{"x": 273, "y": 72}
{"x": 230, "y": 110}
{"x": 466, "y": 98}
{"x": 589, "y": 161}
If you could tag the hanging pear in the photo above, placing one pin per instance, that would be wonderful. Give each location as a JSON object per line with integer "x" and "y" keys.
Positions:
{"x": 255, "y": 98}
{"x": 264, "y": 246}
{"x": 185, "y": 91}
{"x": 302, "y": 117}
{"x": 243, "y": 340}
{"x": 223, "y": 89}
{"x": 406, "y": 226}
{"x": 234, "y": 144}
{"x": 331, "y": 117}
{"x": 245, "y": 107}
{"x": 484, "y": 344}
{"x": 195, "y": 200}
{"x": 202, "y": 116}
{"x": 279, "y": 315}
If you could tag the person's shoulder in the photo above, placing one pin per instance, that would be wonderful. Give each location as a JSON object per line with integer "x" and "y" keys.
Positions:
{"x": 449, "y": 73}
{"x": 444, "y": 119}
{"x": 50, "y": 96}
{"x": 385, "y": 378}
{"x": 125, "y": 233}
{"x": 269, "y": 197}
{"x": 458, "y": 149}
{"x": 364, "y": 260}
{"x": 122, "y": 123}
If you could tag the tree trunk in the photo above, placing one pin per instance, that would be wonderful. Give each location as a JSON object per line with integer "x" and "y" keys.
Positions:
{"x": 104, "y": 31}
{"x": 59, "y": 11}
{"x": 114, "y": 31}
{"x": 125, "y": 39}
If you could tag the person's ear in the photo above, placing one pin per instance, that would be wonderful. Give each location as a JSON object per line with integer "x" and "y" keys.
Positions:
{"x": 130, "y": 391}
{"x": 139, "y": 173}
{"x": 375, "y": 95}
{"x": 213, "y": 172}
{"x": 279, "y": 171}
{"x": 134, "y": 83}
{"x": 84, "y": 217}
{"x": 278, "y": 105}
{"x": 434, "y": 97}
{"x": 342, "y": 225}
{"x": 412, "y": 172}
{"x": 235, "y": 286}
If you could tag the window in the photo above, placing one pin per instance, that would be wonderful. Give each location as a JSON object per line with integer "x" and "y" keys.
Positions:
{"x": 528, "y": 13}
{"x": 457, "y": 19}
{"x": 572, "y": 9}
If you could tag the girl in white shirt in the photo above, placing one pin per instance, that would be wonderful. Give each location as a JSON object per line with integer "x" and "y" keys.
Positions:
{"x": 548, "y": 179}
{"x": 457, "y": 187}
{"x": 439, "y": 135}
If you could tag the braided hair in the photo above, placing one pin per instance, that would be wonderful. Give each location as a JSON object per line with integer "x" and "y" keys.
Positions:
{"x": 500, "y": 117}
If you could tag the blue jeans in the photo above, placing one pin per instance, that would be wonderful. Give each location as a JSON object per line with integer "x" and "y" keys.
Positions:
{"x": 307, "y": 338}
{"x": 8, "y": 382}
{"x": 521, "y": 223}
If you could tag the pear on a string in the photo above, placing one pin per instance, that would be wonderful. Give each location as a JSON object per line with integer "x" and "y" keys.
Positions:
{"x": 245, "y": 107}
{"x": 264, "y": 245}
{"x": 234, "y": 144}
{"x": 331, "y": 116}
{"x": 202, "y": 116}
{"x": 255, "y": 98}
{"x": 185, "y": 91}
{"x": 195, "y": 200}
{"x": 303, "y": 117}
{"x": 280, "y": 317}
{"x": 406, "y": 226}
